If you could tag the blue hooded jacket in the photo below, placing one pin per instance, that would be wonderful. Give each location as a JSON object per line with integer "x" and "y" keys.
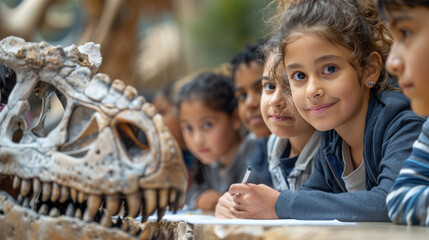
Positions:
{"x": 390, "y": 130}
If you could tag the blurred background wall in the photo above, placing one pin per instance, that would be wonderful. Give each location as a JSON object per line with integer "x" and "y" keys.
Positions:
{"x": 145, "y": 43}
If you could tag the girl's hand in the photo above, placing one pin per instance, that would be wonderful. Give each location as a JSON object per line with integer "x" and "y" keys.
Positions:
{"x": 253, "y": 201}
{"x": 223, "y": 206}
{"x": 208, "y": 199}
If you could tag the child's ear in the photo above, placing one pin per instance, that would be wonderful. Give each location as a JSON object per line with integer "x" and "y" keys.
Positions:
{"x": 236, "y": 120}
{"x": 372, "y": 69}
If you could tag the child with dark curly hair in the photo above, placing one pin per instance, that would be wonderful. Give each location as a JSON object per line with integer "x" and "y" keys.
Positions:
{"x": 210, "y": 126}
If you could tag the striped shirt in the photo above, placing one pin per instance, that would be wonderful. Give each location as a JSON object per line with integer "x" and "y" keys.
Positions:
{"x": 408, "y": 201}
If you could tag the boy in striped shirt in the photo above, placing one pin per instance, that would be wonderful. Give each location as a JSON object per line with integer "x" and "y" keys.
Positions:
{"x": 408, "y": 22}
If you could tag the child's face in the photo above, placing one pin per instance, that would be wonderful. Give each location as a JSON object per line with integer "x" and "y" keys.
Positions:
{"x": 171, "y": 118}
{"x": 248, "y": 94}
{"x": 209, "y": 135}
{"x": 279, "y": 114}
{"x": 325, "y": 87}
{"x": 409, "y": 56}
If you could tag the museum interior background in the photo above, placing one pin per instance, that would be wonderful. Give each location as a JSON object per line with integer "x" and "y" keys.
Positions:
{"x": 145, "y": 43}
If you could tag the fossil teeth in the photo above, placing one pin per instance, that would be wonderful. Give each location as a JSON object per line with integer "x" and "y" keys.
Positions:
{"x": 25, "y": 187}
{"x": 36, "y": 186}
{"x": 37, "y": 189}
{"x": 43, "y": 209}
{"x": 46, "y": 191}
{"x": 86, "y": 216}
{"x": 150, "y": 200}
{"x": 54, "y": 212}
{"x": 176, "y": 202}
{"x": 106, "y": 220}
{"x": 112, "y": 204}
{"x": 93, "y": 204}
{"x": 172, "y": 195}
{"x": 181, "y": 199}
{"x": 163, "y": 198}
{"x": 81, "y": 196}
{"x": 64, "y": 194}
{"x": 55, "y": 192}
{"x": 20, "y": 199}
{"x": 73, "y": 194}
{"x": 78, "y": 213}
{"x": 26, "y": 202}
{"x": 16, "y": 182}
{"x": 143, "y": 212}
{"x": 162, "y": 202}
{"x": 70, "y": 210}
{"x": 172, "y": 199}
{"x": 122, "y": 208}
{"x": 134, "y": 202}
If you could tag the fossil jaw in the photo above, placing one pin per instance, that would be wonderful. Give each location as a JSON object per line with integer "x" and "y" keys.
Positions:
{"x": 53, "y": 200}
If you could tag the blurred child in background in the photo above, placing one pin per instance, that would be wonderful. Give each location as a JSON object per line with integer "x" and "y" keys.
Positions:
{"x": 247, "y": 74}
{"x": 210, "y": 126}
{"x": 164, "y": 102}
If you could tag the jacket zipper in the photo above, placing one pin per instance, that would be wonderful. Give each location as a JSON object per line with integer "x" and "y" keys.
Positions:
{"x": 335, "y": 176}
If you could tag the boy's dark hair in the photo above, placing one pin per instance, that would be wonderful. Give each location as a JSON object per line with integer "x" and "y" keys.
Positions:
{"x": 251, "y": 52}
{"x": 7, "y": 81}
{"x": 214, "y": 90}
{"x": 383, "y": 6}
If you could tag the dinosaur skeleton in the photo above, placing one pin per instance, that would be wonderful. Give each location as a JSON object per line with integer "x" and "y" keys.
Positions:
{"x": 110, "y": 153}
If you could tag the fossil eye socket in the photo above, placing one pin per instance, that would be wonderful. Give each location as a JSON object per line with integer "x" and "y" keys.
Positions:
{"x": 134, "y": 140}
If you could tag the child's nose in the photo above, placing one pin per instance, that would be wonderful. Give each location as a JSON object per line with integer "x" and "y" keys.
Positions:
{"x": 394, "y": 62}
{"x": 252, "y": 100}
{"x": 277, "y": 99}
{"x": 314, "y": 88}
{"x": 198, "y": 138}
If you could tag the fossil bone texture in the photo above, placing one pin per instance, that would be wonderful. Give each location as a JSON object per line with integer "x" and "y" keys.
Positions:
{"x": 109, "y": 154}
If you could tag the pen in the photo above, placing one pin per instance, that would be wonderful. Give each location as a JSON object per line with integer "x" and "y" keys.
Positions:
{"x": 246, "y": 176}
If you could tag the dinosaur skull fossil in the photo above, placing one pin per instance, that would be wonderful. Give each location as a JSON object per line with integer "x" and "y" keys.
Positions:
{"x": 109, "y": 154}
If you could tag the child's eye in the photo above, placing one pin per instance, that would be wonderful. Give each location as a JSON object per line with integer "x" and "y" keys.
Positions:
{"x": 268, "y": 87}
{"x": 405, "y": 33}
{"x": 298, "y": 76}
{"x": 207, "y": 125}
{"x": 187, "y": 128}
{"x": 401, "y": 33}
{"x": 241, "y": 97}
{"x": 330, "y": 69}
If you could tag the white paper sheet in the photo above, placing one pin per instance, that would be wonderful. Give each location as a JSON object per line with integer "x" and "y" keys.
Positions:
{"x": 197, "y": 217}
